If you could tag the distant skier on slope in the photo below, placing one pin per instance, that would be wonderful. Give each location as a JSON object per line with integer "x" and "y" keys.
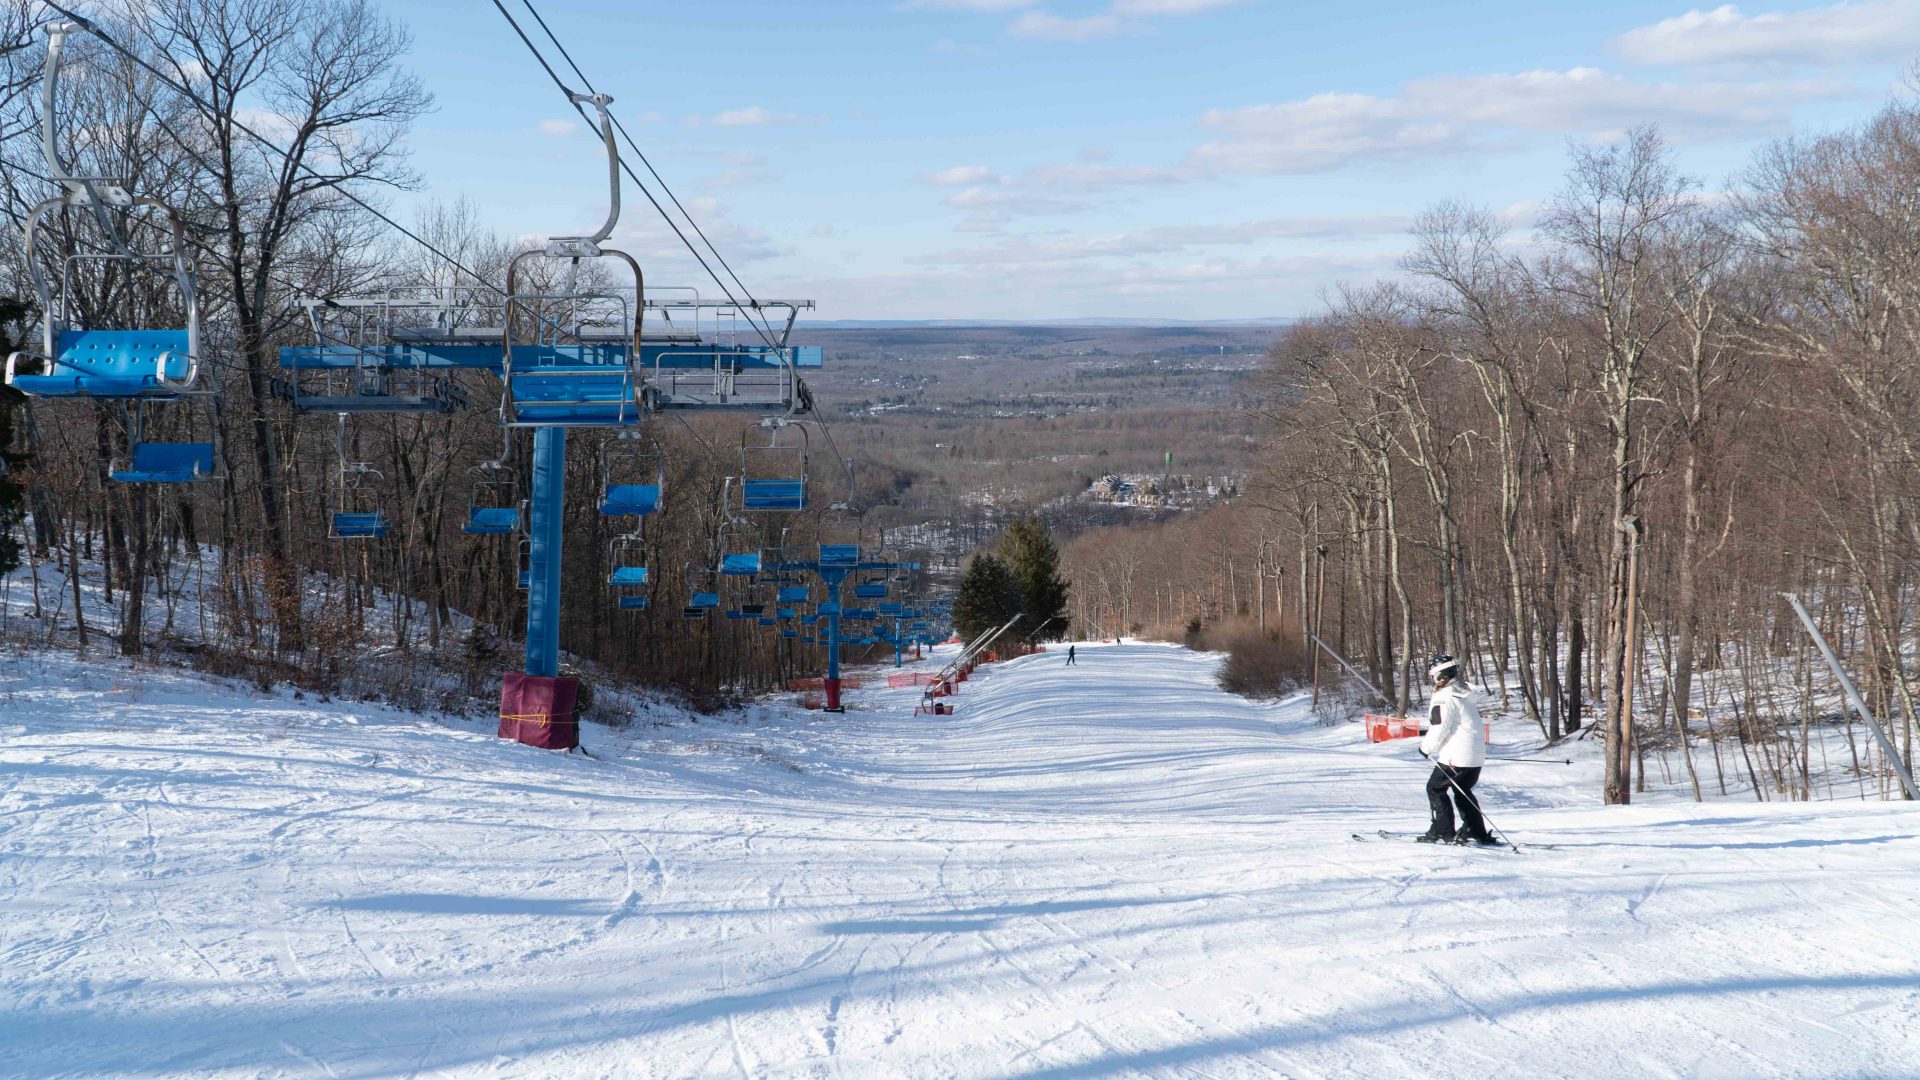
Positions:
{"x": 1069, "y": 656}
{"x": 1455, "y": 742}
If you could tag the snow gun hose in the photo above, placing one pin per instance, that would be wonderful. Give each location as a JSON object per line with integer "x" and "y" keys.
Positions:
{"x": 1468, "y": 795}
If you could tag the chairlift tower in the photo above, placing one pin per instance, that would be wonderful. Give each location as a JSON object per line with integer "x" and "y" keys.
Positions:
{"x": 568, "y": 356}
{"x": 833, "y": 565}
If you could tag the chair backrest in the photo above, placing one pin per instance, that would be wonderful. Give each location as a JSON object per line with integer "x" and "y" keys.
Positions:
{"x": 839, "y": 554}
{"x": 774, "y": 494}
{"x": 492, "y": 520}
{"x": 125, "y": 354}
{"x": 628, "y": 575}
{"x": 872, "y": 590}
{"x": 353, "y": 525}
{"x": 630, "y": 500}
{"x": 794, "y": 594}
{"x": 634, "y": 603}
{"x": 705, "y": 600}
{"x": 740, "y": 565}
{"x": 191, "y": 458}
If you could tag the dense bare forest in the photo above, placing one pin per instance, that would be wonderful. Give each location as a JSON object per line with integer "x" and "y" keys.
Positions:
{"x": 278, "y": 161}
{"x": 1590, "y": 457}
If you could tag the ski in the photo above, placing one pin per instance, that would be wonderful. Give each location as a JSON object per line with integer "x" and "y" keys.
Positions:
{"x": 1383, "y": 834}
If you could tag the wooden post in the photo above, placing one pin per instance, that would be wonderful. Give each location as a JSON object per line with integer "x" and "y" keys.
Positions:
{"x": 1319, "y": 617}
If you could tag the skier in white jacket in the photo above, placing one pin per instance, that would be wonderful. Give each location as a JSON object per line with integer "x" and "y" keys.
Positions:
{"x": 1455, "y": 741}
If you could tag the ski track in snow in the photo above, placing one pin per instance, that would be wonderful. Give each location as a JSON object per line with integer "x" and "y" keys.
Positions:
{"x": 1107, "y": 870}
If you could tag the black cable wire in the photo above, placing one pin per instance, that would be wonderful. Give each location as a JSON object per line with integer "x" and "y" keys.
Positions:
{"x": 644, "y": 160}
{"x": 762, "y": 327}
{"x": 763, "y": 331}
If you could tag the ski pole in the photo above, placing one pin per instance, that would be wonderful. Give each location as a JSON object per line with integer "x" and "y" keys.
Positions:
{"x": 1545, "y": 760}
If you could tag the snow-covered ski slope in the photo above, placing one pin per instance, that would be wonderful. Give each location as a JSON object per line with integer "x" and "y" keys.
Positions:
{"x": 1105, "y": 870}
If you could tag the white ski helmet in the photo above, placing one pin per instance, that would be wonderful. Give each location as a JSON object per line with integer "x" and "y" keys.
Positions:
{"x": 1442, "y": 666}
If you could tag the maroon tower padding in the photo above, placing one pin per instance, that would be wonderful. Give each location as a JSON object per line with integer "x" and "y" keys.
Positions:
{"x": 832, "y": 687}
{"x": 538, "y": 710}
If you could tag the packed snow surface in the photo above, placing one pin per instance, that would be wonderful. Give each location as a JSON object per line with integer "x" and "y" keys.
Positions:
{"x": 1105, "y": 870}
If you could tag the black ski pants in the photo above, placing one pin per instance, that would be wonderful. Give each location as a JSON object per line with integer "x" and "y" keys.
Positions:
{"x": 1450, "y": 787}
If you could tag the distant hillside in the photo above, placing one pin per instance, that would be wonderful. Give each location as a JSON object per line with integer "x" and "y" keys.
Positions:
{"x": 963, "y": 424}
{"x": 964, "y": 324}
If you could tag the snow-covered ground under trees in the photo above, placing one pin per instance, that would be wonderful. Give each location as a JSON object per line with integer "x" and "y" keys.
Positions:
{"x": 1106, "y": 870}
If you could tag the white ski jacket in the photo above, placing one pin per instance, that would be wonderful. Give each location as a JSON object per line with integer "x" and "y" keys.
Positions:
{"x": 1456, "y": 736}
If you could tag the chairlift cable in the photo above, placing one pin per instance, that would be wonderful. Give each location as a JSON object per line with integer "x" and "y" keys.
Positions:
{"x": 559, "y": 83}
{"x": 655, "y": 173}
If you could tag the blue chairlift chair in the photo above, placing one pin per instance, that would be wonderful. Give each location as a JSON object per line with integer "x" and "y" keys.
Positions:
{"x": 133, "y": 365}
{"x": 626, "y": 558}
{"x": 773, "y": 478}
{"x": 558, "y": 377}
{"x": 351, "y": 519}
{"x": 621, "y": 497}
{"x": 167, "y": 463}
{"x": 492, "y": 509}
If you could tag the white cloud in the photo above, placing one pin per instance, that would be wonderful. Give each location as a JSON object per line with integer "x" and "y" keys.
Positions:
{"x": 961, "y": 176}
{"x": 1458, "y": 113}
{"x": 1046, "y": 27}
{"x": 991, "y": 7}
{"x": 1091, "y": 175}
{"x": 1060, "y": 247}
{"x": 266, "y": 122}
{"x": 753, "y": 116}
{"x": 666, "y": 258}
{"x": 1840, "y": 34}
{"x": 989, "y": 208}
{"x": 992, "y": 199}
{"x": 1122, "y": 17}
{"x": 558, "y": 127}
{"x": 1169, "y": 7}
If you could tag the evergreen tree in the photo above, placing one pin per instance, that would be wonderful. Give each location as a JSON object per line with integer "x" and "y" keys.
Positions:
{"x": 1028, "y": 549}
{"x": 13, "y": 314}
{"x": 989, "y": 595}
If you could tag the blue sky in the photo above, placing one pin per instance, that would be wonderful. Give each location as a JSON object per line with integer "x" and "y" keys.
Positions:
{"x": 1029, "y": 159}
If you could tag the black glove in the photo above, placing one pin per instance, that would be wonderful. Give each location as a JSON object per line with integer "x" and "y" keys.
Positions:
{"x": 1424, "y": 754}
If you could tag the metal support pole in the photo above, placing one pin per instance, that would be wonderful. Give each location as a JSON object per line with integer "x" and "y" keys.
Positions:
{"x": 1853, "y": 695}
{"x": 544, "y": 532}
{"x": 832, "y": 685}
